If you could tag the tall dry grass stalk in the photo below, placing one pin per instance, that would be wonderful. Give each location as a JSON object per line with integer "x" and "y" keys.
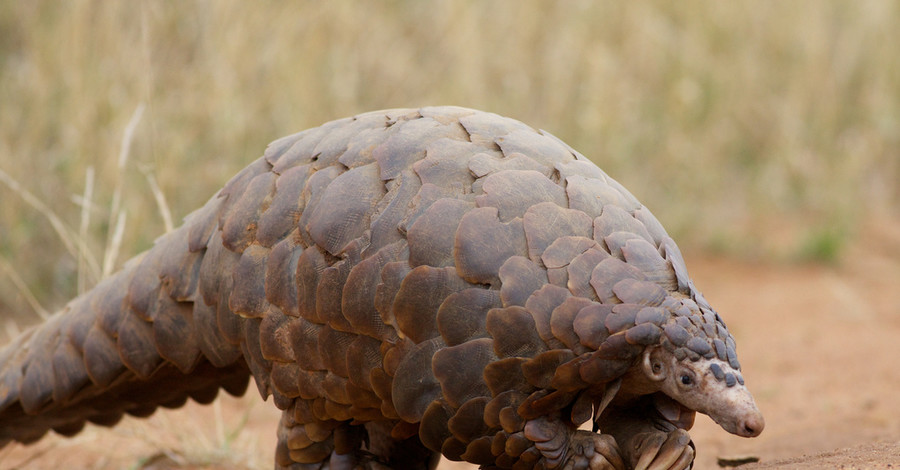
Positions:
{"x": 84, "y": 225}
{"x": 117, "y": 216}
{"x": 761, "y": 128}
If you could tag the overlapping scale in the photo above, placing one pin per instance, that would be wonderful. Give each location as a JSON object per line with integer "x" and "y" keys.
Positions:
{"x": 519, "y": 278}
{"x": 304, "y": 343}
{"x": 483, "y": 164}
{"x": 580, "y": 271}
{"x": 360, "y": 146}
{"x": 610, "y": 272}
{"x": 467, "y": 424}
{"x": 540, "y": 369}
{"x": 615, "y": 219}
{"x": 459, "y": 370}
{"x": 433, "y": 428}
{"x": 173, "y": 333}
{"x": 446, "y": 164}
{"x": 415, "y": 385}
{"x": 333, "y": 146}
{"x": 644, "y": 256}
{"x": 506, "y": 375}
{"x": 240, "y": 225}
{"x": 248, "y": 297}
{"x": 462, "y": 315}
{"x": 281, "y": 276}
{"x": 512, "y": 329}
{"x": 560, "y": 253}
{"x": 540, "y": 305}
{"x": 513, "y": 192}
{"x": 431, "y": 237}
{"x": 546, "y": 222}
{"x": 283, "y": 213}
{"x": 297, "y": 149}
{"x": 421, "y": 293}
{"x": 483, "y": 243}
{"x": 546, "y": 150}
{"x": 232, "y": 192}
{"x": 329, "y": 290}
{"x": 591, "y": 195}
{"x": 562, "y": 322}
{"x": 312, "y": 195}
{"x": 351, "y": 197}
{"x": 652, "y": 224}
{"x": 360, "y": 288}
{"x": 390, "y": 212}
{"x": 407, "y": 145}
{"x": 310, "y": 265}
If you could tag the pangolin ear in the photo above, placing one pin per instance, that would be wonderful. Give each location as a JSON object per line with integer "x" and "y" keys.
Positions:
{"x": 653, "y": 364}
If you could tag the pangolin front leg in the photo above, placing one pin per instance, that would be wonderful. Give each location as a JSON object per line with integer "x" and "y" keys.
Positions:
{"x": 647, "y": 440}
{"x": 560, "y": 445}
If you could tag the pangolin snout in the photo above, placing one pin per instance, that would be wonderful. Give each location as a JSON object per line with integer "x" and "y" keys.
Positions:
{"x": 734, "y": 410}
{"x": 751, "y": 425}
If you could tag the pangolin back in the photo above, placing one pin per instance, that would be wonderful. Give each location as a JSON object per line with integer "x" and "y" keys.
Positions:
{"x": 429, "y": 270}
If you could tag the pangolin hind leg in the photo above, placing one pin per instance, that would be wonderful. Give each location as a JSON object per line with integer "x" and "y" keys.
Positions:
{"x": 335, "y": 445}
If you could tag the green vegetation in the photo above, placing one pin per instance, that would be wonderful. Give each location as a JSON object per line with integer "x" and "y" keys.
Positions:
{"x": 823, "y": 244}
{"x": 744, "y": 126}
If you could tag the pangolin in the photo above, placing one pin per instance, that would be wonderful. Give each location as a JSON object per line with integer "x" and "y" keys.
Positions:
{"x": 404, "y": 284}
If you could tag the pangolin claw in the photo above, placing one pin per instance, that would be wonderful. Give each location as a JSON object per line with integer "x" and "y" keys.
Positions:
{"x": 658, "y": 450}
{"x": 562, "y": 448}
{"x": 588, "y": 450}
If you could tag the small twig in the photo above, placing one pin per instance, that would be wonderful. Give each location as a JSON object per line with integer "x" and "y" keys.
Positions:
{"x": 85, "y": 224}
{"x": 115, "y": 215}
{"x": 71, "y": 241}
{"x": 175, "y": 456}
{"x": 128, "y": 136}
{"x": 238, "y": 428}
{"x": 12, "y": 329}
{"x": 23, "y": 289}
{"x": 731, "y": 462}
{"x": 220, "y": 424}
{"x": 79, "y": 201}
{"x": 112, "y": 248}
{"x": 160, "y": 198}
{"x": 34, "y": 456}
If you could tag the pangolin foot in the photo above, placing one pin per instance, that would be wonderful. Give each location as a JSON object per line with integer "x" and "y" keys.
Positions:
{"x": 588, "y": 450}
{"x": 578, "y": 450}
{"x": 660, "y": 450}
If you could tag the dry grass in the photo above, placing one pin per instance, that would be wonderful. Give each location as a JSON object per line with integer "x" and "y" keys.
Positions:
{"x": 231, "y": 434}
{"x": 763, "y": 128}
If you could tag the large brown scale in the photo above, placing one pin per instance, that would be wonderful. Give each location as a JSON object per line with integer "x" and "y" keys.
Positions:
{"x": 404, "y": 284}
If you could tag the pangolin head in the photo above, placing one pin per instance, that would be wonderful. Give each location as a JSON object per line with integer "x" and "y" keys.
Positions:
{"x": 694, "y": 363}
{"x": 681, "y": 351}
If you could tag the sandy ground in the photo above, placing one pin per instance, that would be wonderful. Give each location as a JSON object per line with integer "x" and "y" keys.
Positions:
{"x": 819, "y": 347}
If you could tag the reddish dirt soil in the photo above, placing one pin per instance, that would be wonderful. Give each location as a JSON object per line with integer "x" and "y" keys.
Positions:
{"x": 819, "y": 347}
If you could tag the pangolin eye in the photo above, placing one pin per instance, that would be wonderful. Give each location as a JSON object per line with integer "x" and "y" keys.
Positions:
{"x": 686, "y": 379}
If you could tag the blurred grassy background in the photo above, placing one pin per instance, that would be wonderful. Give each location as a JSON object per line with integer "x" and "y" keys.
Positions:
{"x": 763, "y": 128}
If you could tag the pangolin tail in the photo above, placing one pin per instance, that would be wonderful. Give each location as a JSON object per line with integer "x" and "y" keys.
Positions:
{"x": 143, "y": 338}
